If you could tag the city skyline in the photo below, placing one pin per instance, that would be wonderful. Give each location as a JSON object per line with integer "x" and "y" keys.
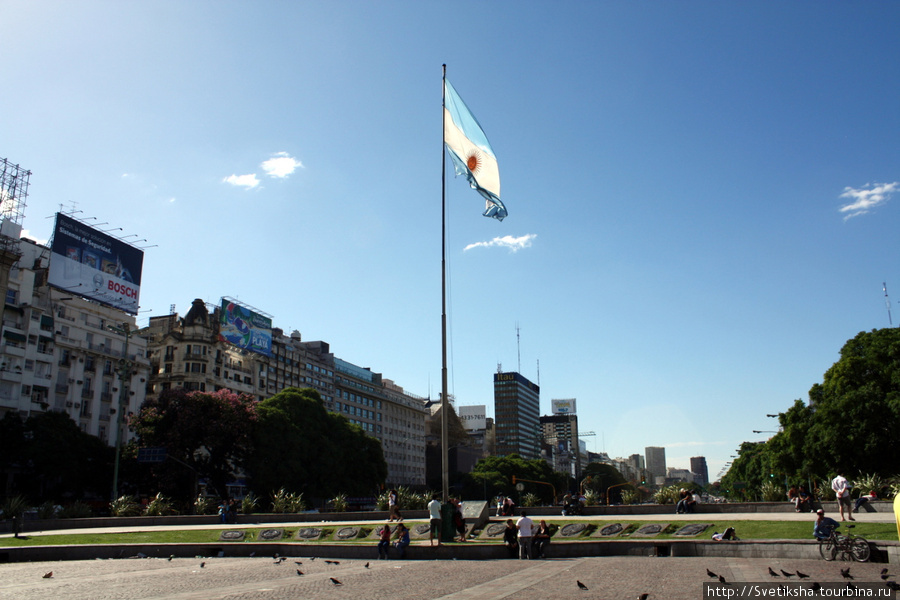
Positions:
{"x": 701, "y": 196}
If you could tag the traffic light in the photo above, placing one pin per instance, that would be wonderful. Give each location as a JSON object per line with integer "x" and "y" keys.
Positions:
{"x": 514, "y": 479}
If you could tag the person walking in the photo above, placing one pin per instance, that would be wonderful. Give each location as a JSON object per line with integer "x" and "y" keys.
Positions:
{"x": 394, "y": 506}
{"x": 525, "y": 527}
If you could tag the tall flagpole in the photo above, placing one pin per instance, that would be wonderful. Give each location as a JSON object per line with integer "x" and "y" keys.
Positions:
{"x": 445, "y": 406}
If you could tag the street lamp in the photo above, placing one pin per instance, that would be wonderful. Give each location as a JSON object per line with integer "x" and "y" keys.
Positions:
{"x": 124, "y": 371}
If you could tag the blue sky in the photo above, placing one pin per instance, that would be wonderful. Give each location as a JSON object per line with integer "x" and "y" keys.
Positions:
{"x": 703, "y": 197}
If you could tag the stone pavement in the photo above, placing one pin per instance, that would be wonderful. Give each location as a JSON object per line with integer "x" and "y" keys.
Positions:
{"x": 263, "y": 579}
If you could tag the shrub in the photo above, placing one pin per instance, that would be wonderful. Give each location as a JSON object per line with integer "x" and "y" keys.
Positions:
{"x": 631, "y": 497}
{"x": 249, "y": 504}
{"x": 866, "y": 483}
{"x": 125, "y": 506}
{"x": 13, "y": 506}
{"x": 159, "y": 506}
{"x": 76, "y": 510}
{"x": 591, "y": 498}
{"x": 771, "y": 492}
{"x": 667, "y": 495}
{"x": 529, "y": 500}
{"x": 204, "y": 505}
{"x": 47, "y": 510}
{"x": 339, "y": 503}
{"x": 287, "y": 502}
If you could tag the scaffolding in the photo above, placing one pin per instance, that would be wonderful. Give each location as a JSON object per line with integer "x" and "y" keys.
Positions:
{"x": 14, "y": 182}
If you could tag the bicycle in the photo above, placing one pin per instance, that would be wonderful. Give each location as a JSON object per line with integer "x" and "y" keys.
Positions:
{"x": 850, "y": 546}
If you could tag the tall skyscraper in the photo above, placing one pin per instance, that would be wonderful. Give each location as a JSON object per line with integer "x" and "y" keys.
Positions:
{"x": 560, "y": 434}
{"x": 517, "y": 403}
{"x": 656, "y": 462}
{"x": 698, "y": 468}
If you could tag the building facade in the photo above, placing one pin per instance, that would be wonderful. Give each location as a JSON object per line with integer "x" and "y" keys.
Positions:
{"x": 516, "y": 415}
{"x": 63, "y": 353}
{"x": 187, "y": 353}
{"x": 700, "y": 470}
{"x": 560, "y": 436}
{"x": 656, "y": 463}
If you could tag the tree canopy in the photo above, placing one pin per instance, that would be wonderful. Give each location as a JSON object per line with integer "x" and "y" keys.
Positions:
{"x": 209, "y": 433}
{"x": 496, "y": 473}
{"x": 848, "y": 424}
{"x": 303, "y": 448}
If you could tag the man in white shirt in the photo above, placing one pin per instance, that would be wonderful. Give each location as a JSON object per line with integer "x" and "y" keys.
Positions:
{"x": 841, "y": 488}
{"x": 434, "y": 515}
{"x": 525, "y": 527}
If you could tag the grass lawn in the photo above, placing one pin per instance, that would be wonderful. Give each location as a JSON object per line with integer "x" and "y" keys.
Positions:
{"x": 746, "y": 530}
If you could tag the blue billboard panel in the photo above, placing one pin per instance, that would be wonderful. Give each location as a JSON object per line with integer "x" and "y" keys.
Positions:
{"x": 86, "y": 262}
{"x": 244, "y": 328}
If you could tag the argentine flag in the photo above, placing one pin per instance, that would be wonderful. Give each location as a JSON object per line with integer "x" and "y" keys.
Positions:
{"x": 471, "y": 152}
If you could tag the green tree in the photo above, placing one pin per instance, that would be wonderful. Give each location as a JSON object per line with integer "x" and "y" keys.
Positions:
{"x": 602, "y": 477}
{"x": 496, "y": 472}
{"x": 210, "y": 433}
{"x": 302, "y": 448}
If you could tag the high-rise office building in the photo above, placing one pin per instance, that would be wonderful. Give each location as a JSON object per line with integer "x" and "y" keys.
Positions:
{"x": 517, "y": 415}
{"x": 699, "y": 469}
{"x": 656, "y": 462}
{"x": 560, "y": 435}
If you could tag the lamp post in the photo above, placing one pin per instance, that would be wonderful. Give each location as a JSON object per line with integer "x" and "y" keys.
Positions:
{"x": 124, "y": 371}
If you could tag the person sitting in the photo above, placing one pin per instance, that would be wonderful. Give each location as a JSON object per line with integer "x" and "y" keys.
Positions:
{"x": 803, "y": 500}
{"x": 824, "y": 526}
{"x": 793, "y": 497}
{"x": 384, "y": 542}
{"x": 683, "y": 496}
{"x": 541, "y": 539}
{"x": 862, "y": 500}
{"x": 402, "y": 539}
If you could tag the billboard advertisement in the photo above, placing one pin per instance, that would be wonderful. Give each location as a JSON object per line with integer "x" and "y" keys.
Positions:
{"x": 245, "y": 328}
{"x": 563, "y": 407}
{"x": 86, "y": 262}
{"x": 473, "y": 417}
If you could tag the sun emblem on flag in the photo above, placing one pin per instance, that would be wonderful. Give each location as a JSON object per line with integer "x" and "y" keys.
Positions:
{"x": 473, "y": 161}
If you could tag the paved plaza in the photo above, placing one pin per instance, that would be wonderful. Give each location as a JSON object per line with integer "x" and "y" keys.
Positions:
{"x": 263, "y": 578}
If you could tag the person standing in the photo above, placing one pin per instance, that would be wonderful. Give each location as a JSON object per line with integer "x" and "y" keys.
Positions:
{"x": 434, "y": 518}
{"x": 525, "y": 527}
{"x": 394, "y": 506}
{"x": 841, "y": 488}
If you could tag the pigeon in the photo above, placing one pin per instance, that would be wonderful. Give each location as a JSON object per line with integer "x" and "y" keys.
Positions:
{"x": 312, "y": 558}
{"x": 884, "y": 576}
{"x": 802, "y": 575}
{"x": 203, "y": 564}
{"x": 48, "y": 575}
{"x": 893, "y": 585}
{"x": 722, "y": 579}
{"x": 367, "y": 565}
{"x": 773, "y": 573}
{"x": 299, "y": 572}
{"x": 816, "y": 587}
{"x": 884, "y": 571}
{"x": 335, "y": 581}
{"x": 786, "y": 574}
{"x": 643, "y": 596}
{"x": 581, "y": 585}
{"x": 171, "y": 556}
{"x": 711, "y": 575}
{"x": 845, "y": 573}
{"x": 332, "y": 562}
{"x": 275, "y": 556}
{"x": 298, "y": 562}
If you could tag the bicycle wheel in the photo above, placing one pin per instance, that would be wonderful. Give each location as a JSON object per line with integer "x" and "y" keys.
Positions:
{"x": 828, "y": 549}
{"x": 860, "y": 550}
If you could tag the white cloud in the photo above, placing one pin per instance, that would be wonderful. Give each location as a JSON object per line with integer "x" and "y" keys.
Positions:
{"x": 866, "y": 198}
{"x": 507, "y": 241}
{"x": 281, "y": 165}
{"x": 246, "y": 181}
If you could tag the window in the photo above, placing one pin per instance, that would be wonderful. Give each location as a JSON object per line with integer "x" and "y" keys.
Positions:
{"x": 12, "y": 297}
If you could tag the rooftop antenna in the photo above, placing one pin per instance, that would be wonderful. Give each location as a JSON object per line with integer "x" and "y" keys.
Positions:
{"x": 887, "y": 303}
{"x": 518, "y": 349}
